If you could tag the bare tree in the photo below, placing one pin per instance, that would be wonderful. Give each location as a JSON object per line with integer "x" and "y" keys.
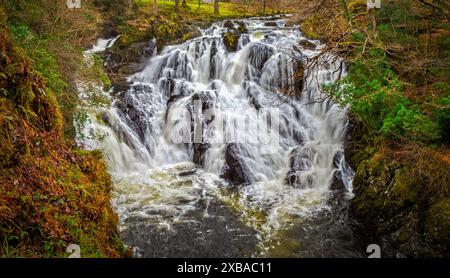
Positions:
{"x": 216, "y": 6}
{"x": 155, "y": 7}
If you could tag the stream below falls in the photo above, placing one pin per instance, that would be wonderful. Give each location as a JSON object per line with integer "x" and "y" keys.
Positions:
{"x": 218, "y": 153}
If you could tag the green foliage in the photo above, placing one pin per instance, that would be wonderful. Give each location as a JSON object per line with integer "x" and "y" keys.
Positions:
{"x": 99, "y": 72}
{"x": 43, "y": 60}
{"x": 410, "y": 122}
{"x": 375, "y": 95}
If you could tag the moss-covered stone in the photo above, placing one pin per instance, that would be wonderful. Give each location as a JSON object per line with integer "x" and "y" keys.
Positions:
{"x": 404, "y": 186}
{"x": 241, "y": 27}
{"x": 231, "y": 40}
{"x": 437, "y": 226}
{"x": 391, "y": 200}
{"x": 307, "y": 45}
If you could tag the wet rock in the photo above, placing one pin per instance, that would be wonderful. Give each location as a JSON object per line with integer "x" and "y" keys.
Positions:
{"x": 130, "y": 110}
{"x": 252, "y": 95}
{"x": 245, "y": 39}
{"x": 308, "y": 45}
{"x": 167, "y": 85}
{"x": 259, "y": 55}
{"x": 241, "y": 27}
{"x": 212, "y": 61}
{"x": 125, "y": 61}
{"x": 235, "y": 170}
{"x": 231, "y": 40}
{"x": 200, "y": 148}
{"x": 299, "y": 161}
{"x": 228, "y": 24}
{"x": 187, "y": 173}
{"x": 271, "y": 24}
{"x": 337, "y": 184}
{"x": 199, "y": 153}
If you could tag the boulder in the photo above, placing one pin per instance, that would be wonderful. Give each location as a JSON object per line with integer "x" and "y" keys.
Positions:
{"x": 235, "y": 170}
{"x": 259, "y": 55}
{"x": 231, "y": 40}
{"x": 271, "y": 24}
{"x": 307, "y": 45}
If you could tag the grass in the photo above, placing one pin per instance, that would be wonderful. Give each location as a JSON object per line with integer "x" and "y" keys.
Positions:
{"x": 204, "y": 12}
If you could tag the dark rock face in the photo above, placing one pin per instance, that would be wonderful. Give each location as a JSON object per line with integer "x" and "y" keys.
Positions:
{"x": 354, "y": 142}
{"x": 212, "y": 60}
{"x": 228, "y": 24}
{"x": 130, "y": 111}
{"x": 299, "y": 161}
{"x": 337, "y": 184}
{"x": 207, "y": 102}
{"x": 235, "y": 170}
{"x": 259, "y": 55}
{"x": 271, "y": 24}
{"x": 199, "y": 153}
{"x": 241, "y": 27}
{"x": 123, "y": 62}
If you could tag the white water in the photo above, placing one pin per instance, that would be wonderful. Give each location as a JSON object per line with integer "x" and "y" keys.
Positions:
{"x": 155, "y": 179}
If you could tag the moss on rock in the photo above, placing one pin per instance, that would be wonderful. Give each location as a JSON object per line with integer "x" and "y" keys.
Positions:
{"x": 231, "y": 39}
{"x": 395, "y": 204}
{"x": 437, "y": 226}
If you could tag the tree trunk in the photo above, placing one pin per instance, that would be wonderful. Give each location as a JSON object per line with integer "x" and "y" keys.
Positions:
{"x": 216, "y": 6}
{"x": 155, "y": 7}
{"x": 177, "y": 5}
{"x": 184, "y": 4}
{"x": 264, "y": 6}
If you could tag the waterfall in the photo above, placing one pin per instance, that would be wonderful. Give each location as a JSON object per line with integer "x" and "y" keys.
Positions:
{"x": 232, "y": 137}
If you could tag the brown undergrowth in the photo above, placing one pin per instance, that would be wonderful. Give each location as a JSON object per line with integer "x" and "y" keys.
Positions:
{"x": 51, "y": 195}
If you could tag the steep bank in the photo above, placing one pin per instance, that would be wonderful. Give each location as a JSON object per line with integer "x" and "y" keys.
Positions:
{"x": 52, "y": 194}
{"x": 397, "y": 89}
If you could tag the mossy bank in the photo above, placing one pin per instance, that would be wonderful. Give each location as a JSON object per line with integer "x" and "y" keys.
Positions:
{"x": 52, "y": 194}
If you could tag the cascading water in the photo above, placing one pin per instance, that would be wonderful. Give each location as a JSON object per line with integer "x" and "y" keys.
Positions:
{"x": 211, "y": 156}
